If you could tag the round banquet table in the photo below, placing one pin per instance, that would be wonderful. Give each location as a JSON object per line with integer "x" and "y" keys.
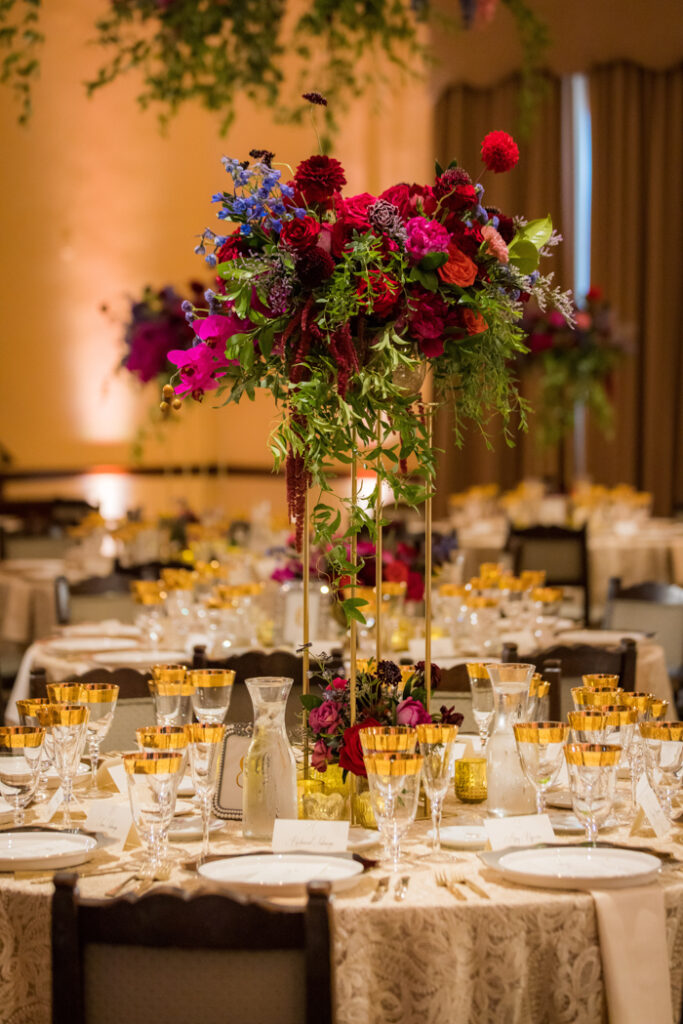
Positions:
{"x": 525, "y": 955}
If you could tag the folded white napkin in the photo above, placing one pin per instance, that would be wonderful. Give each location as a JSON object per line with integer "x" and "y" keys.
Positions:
{"x": 635, "y": 957}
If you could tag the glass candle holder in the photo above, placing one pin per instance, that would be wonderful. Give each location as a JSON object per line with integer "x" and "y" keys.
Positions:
{"x": 470, "y": 780}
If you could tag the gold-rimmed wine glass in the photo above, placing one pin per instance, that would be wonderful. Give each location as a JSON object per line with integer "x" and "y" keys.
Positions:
{"x": 663, "y": 748}
{"x": 437, "y": 747}
{"x": 621, "y": 724}
{"x": 205, "y": 743}
{"x": 21, "y": 748}
{"x": 28, "y": 715}
{"x": 592, "y": 771}
{"x": 68, "y": 725}
{"x": 595, "y": 697}
{"x": 172, "y": 694}
{"x": 483, "y": 709}
{"x": 64, "y": 692}
{"x": 587, "y": 725}
{"x": 388, "y": 739}
{"x": 536, "y": 701}
{"x": 394, "y": 781}
{"x": 541, "y": 746}
{"x": 100, "y": 699}
{"x": 212, "y": 690}
{"x": 152, "y": 787}
{"x": 600, "y": 681}
{"x": 641, "y": 703}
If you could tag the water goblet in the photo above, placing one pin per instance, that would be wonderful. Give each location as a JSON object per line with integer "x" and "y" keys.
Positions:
{"x": 171, "y": 693}
{"x": 621, "y": 723}
{"x": 592, "y": 781}
{"x": 657, "y": 711}
{"x": 483, "y": 708}
{"x": 588, "y": 725}
{"x": 100, "y": 699}
{"x": 29, "y": 715}
{"x": 663, "y": 748}
{"x": 152, "y": 778}
{"x": 394, "y": 781}
{"x": 68, "y": 725}
{"x": 600, "y": 681}
{"x": 641, "y": 703}
{"x": 20, "y": 756}
{"x": 437, "y": 747}
{"x": 204, "y": 748}
{"x": 585, "y": 697}
{"x": 537, "y": 700}
{"x": 212, "y": 690}
{"x": 64, "y": 692}
{"x": 388, "y": 739}
{"x": 541, "y": 747}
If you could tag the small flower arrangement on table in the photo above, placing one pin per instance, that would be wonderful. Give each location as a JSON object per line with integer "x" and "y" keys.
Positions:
{"x": 578, "y": 359}
{"x": 386, "y": 694}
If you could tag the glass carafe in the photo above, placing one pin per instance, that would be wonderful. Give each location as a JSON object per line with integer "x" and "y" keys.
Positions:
{"x": 269, "y": 767}
{"x": 509, "y": 791}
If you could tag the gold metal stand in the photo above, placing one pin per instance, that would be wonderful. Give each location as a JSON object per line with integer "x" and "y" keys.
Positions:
{"x": 378, "y": 548}
{"x": 306, "y": 559}
{"x": 353, "y": 631}
{"x": 428, "y": 566}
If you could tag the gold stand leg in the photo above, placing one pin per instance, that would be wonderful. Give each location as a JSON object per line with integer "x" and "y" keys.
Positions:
{"x": 353, "y": 631}
{"x": 306, "y": 559}
{"x": 428, "y": 570}
{"x": 378, "y": 551}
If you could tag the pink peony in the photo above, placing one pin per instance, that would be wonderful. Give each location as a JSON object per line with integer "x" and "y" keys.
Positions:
{"x": 425, "y": 236}
{"x": 495, "y": 244}
{"x": 324, "y": 718}
{"x": 320, "y": 756}
{"x": 412, "y": 712}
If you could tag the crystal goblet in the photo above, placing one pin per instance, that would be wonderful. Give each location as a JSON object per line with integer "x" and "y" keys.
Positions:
{"x": 394, "y": 781}
{"x": 172, "y": 694}
{"x": 152, "y": 778}
{"x": 68, "y": 725}
{"x": 21, "y": 749}
{"x": 29, "y": 715}
{"x": 205, "y": 743}
{"x": 100, "y": 699}
{"x": 482, "y": 699}
{"x": 541, "y": 746}
{"x": 663, "y": 748}
{"x": 592, "y": 781}
{"x": 212, "y": 690}
{"x": 437, "y": 747}
{"x": 588, "y": 725}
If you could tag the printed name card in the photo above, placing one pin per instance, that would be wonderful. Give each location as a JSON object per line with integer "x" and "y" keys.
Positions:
{"x": 113, "y": 817}
{"x": 651, "y": 807}
{"x": 117, "y": 774}
{"x": 521, "y": 830}
{"x": 290, "y": 834}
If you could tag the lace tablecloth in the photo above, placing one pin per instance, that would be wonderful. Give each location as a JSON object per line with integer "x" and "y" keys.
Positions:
{"x": 527, "y": 955}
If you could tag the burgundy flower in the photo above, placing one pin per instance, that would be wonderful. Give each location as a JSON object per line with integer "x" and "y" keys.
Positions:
{"x": 378, "y": 293}
{"x": 412, "y": 712}
{"x": 232, "y": 248}
{"x": 468, "y": 238}
{"x": 314, "y": 266}
{"x": 506, "y": 227}
{"x": 299, "y": 233}
{"x": 149, "y": 345}
{"x": 319, "y": 177}
{"x": 415, "y": 591}
{"x": 499, "y": 152}
{"x": 320, "y": 755}
{"x": 353, "y": 212}
{"x": 411, "y": 200}
{"x": 324, "y": 718}
{"x": 351, "y": 752}
{"x": 455, "y": 190}
{"x": 427, "y": 320}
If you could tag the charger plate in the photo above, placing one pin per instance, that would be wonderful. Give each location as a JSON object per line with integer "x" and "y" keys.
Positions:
{"x": 574, "y": 867}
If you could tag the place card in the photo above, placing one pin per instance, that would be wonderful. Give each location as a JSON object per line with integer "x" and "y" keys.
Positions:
{"x": 651, "y": 807}
{"x": 46, "y": 812}
{"x": 112, "y": 817}
{"x": 290, "y": 834}
{"x": 520, "y": 830}
{"x": 117, "y": 774}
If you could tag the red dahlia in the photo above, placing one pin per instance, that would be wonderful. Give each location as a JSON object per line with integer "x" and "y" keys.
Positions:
{"x": 499, "y": 152}
{"x": 319, "y": 177}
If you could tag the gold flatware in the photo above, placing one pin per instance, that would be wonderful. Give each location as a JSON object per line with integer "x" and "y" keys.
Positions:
{"x": 401, "y": 888}
{"x": 442, "y": 878}
{"x": 381, "y": 890}
{"x": 116, "y": 889}
{"x": 460, "y": 877}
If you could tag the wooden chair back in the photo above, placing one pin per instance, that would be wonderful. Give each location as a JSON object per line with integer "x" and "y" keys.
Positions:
{"x": 655, "y": 608}
{"x": 561, "y": 552}
{"x": 129, "y": 958}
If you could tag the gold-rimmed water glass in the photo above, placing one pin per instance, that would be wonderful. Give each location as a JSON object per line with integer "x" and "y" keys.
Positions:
{"x": 100, "y": 699}
{"x": 394, "y": 781}
{"x": 587, "y": 725}
{"x": 541, "y": 747}
{"x": 640, "y": 702}
{"x": 152, "y": 778}
{"x": 663, "y": 749}
{"x": 537, "y": 700}
{"x": 172, "y": 694}
{"x": 657, "y": 711}
{"x": 212, "y": 690}
{"x": 388, "y": 739}
{"x": 600, "y": 681}
{"x": 595, "y": 697}
{"x": 64, "y": 692}
{"x": 483, "y": 709}
{"x": 592, "y": 771}
{"x": 21, "y": 749}
{"x": 205, "y": 745}
{"x": 437, "y": 747}
{"x": 620, "y": 728}
{"x": 68, "y": 724}
{"x": 28, "y": 715}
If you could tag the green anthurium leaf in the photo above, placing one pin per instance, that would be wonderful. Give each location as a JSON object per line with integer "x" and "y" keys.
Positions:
{"x": 524, "y": 255}
{"x": 426, "y": 278}
{"x": 536, "y": 231}
{"x": 433, "y": 260}
{"x": 310, "y": 700}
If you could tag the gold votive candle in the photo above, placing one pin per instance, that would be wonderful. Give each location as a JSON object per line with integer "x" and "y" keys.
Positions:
{"x": 470, "y": 780}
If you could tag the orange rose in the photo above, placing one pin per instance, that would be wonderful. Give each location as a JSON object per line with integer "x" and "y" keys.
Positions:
{"x": 460, "y": 269}
{"x": 474, "y": 322}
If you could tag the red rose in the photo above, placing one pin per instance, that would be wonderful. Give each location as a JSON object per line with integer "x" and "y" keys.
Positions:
{"x": 378, "y": 293}
{"x": 499, "y": 152}
{"x": 353, "y": 212}
{"x": 396, "y": 572}
{"x": 411, "y": 200}
{"x": 319, "y": 177}
{"x": 232, "y": 248}
{"x": 415, "y": 590}
{"x": 427, "y": 320}
{"x": 455, "y": 190}
{"x": 474, "y": 322}
{"x": 299, "y": 233}
{"x": 351, "y": 752}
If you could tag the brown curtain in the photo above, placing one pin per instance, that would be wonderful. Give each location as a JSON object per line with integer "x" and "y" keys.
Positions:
{"x": 637, "y": 258}
{"x": 464, "y": 115}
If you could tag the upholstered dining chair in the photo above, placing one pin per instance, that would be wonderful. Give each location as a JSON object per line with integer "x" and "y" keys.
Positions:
{"x": 561, "y": 552}
{"x": 575, "y": 660}
{"x": 96, "y": 598}
{"x": 189, "y": 958}
{"x": 652, "y": 607}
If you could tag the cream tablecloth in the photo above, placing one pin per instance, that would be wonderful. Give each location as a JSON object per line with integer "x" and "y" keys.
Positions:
{"x": 527, "y": 956}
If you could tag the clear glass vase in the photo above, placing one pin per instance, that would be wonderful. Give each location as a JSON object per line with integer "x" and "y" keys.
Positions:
{"x": 509, "y": 791}
{"x": 269, "y": 767}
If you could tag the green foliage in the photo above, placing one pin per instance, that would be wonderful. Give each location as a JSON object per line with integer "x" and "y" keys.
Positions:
{"x": 20, "y": 38}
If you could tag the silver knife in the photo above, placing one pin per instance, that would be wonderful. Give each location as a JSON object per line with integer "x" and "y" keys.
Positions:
{"x": 401, "y": 888}
{"x": 381, "y": 890}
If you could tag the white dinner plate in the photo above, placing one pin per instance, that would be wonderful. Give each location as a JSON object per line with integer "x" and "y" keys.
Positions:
{"x": 565, "y": 823}
{"x": 574, "y": 867}
{"x": 281, "y": 874}
{"x": 463, "y": 837}
{"x": 561, "y": 798}
{"x": 107, "y": 628}
{"x": 52, "y": 776}
{"x": 89, "y": 644}
{"x": 363, "y": 838}
{"x": 599, "y": 636}
{"x": 185, "y": 830}
{"x": 135, "y": 659}
{"x": 32, "y": 851}
{"x": 186, "y": 786}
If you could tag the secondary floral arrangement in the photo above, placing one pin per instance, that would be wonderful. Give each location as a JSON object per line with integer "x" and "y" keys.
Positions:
{"x": 578, "y": 360}
{"x": 339, "y": 305}
{"x": 214, "y": 53}
{"x": 385, "y": 695}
